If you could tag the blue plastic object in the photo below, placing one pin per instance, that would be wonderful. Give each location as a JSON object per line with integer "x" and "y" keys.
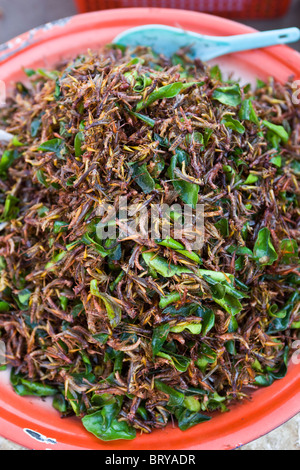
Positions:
{"x": 167, "y": 40}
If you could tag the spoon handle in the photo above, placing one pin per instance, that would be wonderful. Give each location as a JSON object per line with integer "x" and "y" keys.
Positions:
{"x": 263, "y": 39}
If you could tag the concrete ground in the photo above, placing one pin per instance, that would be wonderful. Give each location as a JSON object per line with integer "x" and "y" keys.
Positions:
{"x": 17, "y": 16}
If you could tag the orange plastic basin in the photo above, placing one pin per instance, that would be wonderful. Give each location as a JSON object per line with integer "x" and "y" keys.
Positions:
{"x": 268, "y": 407}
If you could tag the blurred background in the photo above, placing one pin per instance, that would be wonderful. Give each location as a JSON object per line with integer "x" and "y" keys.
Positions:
{"x": 18, "y": 16}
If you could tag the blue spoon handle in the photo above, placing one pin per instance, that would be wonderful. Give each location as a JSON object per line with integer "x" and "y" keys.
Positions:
{"x": 263, "y": 39}
{"x": 167, "y": 40}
